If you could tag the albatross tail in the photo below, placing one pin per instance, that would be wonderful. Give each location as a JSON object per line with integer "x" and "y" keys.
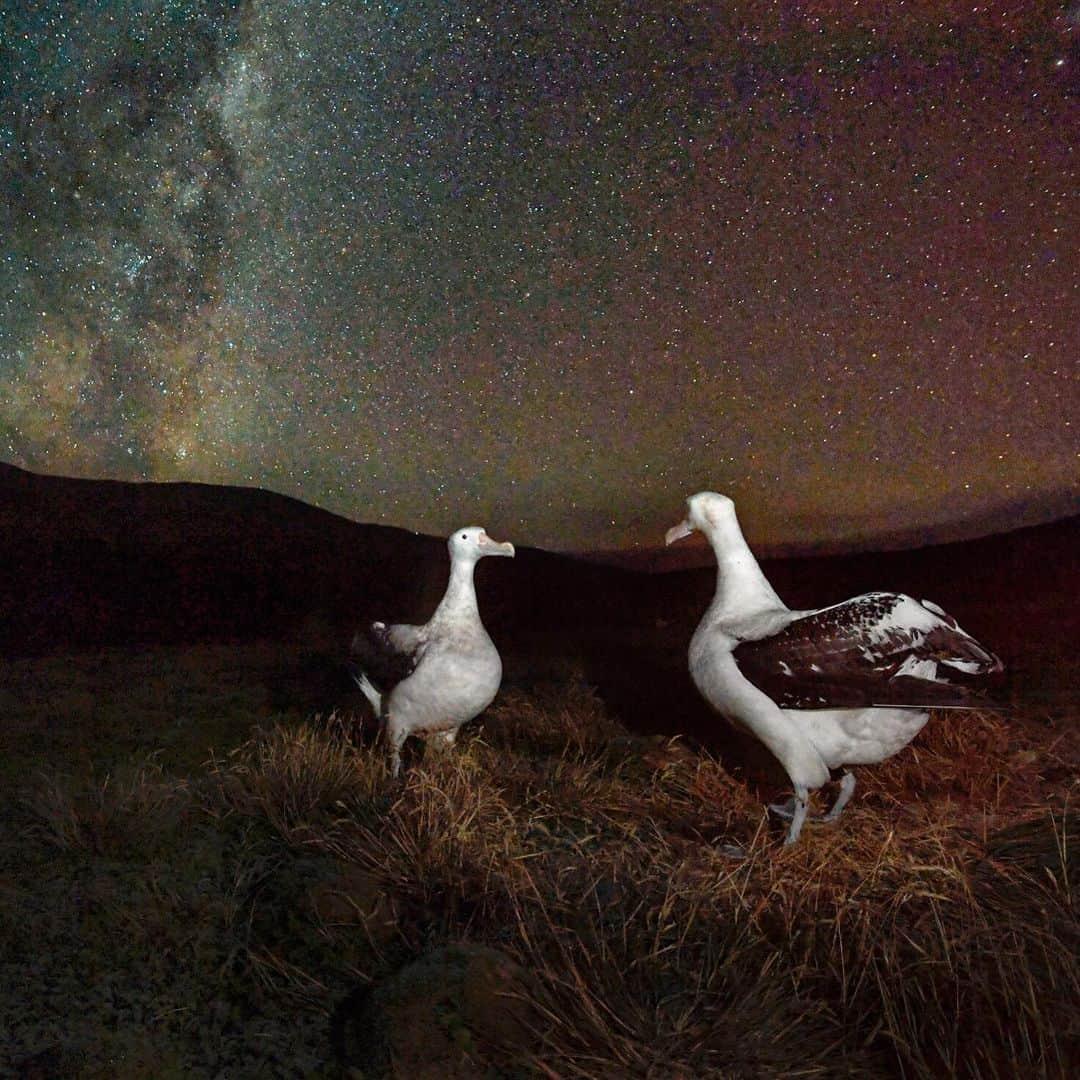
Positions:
{"x": 366, "y": 688}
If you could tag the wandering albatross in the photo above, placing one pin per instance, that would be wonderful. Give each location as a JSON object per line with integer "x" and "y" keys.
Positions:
{"x": 431, "y": 679}
{"x": 843, "y": 685}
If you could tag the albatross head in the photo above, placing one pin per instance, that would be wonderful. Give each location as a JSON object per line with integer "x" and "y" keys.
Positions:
{"x": 473, "y": 543}
{"x": 704, "y": 512}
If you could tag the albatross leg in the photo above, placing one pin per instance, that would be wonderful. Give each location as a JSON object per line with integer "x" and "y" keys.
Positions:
{"x": 847, "y": 789}
{"x": 801, "y": 799}
{"x": 397, "y": 734}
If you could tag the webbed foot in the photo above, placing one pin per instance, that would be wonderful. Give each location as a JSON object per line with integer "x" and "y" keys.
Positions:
{"x": 731, "y": 851}
{"x": 784, "y": 811}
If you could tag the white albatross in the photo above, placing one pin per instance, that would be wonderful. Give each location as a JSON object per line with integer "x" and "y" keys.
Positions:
{"x": 431, "y": 679}
{"x": 843, "y": 685}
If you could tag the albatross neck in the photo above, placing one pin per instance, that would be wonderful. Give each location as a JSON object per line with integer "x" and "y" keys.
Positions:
{"x": 460, "y": 599}
{"x": 740, "y": 585}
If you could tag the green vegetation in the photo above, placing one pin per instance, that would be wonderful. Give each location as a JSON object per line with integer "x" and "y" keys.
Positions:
{"x": 199, "y": 886}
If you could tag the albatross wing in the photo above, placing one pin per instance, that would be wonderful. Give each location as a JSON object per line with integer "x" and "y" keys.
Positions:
{"x": 389, "y": 654}
{"x": 876, "y": 649}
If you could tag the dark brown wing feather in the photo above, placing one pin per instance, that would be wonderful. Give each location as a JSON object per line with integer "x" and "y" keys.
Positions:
{"x": 852, "y": 655}
{"x": 375, "y": 655}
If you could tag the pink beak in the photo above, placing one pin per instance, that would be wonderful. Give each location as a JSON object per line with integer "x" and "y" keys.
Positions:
{"x": 677, "y": 532}
{"x": 493, "y": 547}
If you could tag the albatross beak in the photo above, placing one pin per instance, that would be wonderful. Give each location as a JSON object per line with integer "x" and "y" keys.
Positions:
{"x": 493, "y": 547}
{"x": 677, "y": 532}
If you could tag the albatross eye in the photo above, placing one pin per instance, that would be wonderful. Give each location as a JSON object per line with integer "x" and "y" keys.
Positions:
{"x": 464, "y": 536}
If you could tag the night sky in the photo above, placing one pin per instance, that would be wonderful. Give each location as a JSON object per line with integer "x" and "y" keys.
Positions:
{"x": 549, "y": 267}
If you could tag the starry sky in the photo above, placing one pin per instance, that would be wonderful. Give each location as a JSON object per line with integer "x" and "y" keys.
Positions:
{"x": 550, "y": 266}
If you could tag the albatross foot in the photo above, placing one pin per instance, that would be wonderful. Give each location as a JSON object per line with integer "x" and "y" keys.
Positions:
{"x": 731, "y": 851}
{"x": 784, "y": 811}
{"x": 794, "y": 810}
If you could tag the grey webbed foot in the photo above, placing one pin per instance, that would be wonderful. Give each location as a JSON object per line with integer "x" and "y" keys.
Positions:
{"x": 731, "y": 851}
{"x": 785, "y": 811}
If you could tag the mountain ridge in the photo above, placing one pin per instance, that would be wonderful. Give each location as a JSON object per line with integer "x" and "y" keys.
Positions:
{"x": 86, "y": 564}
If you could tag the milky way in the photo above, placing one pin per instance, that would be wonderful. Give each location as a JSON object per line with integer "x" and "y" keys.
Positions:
{"x": 550, "y": 266}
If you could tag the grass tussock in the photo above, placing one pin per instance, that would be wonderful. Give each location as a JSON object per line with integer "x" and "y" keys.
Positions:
{"x": 125, "y": 811}
{"x": 980, "y": 760}
{"x": 295, "y": 776}
{"x": 579, "y": 872}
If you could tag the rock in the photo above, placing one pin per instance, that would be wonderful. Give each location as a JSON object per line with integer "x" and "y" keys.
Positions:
{"x": 456, "y": 1013}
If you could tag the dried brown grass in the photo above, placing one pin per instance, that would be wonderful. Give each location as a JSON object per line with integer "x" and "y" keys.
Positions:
{"x": 926, "y": 935}
{"x": 122, "y": 811}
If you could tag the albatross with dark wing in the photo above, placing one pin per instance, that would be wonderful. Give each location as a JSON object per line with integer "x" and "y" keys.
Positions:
{"x": 849, "y": 684}
{"x": 431, "y": 679}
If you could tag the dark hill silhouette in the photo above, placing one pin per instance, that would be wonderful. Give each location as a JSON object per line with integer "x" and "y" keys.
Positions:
{"x": 89, "y": 563}
{"x": 1007, "y": 516}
